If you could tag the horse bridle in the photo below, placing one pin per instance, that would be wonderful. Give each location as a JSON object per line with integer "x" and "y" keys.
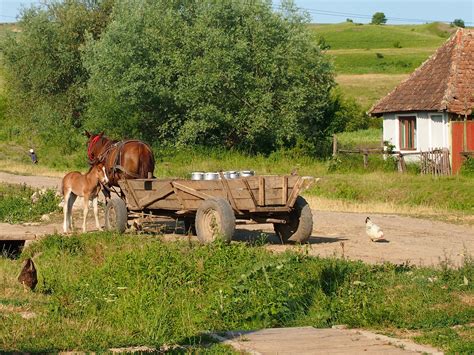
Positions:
{"x": 91, "y": 144}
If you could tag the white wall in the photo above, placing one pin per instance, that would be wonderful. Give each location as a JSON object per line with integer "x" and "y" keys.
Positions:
{"x": 439, "y": 130}
{"x": 431, "y": 130}
{"x": 390, "y": 129}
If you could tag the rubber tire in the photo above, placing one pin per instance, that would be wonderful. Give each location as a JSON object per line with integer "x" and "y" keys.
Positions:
{"x": 300, "y": 225}
{"x": 116, "y": 215}
{"x": 215, "y": 218}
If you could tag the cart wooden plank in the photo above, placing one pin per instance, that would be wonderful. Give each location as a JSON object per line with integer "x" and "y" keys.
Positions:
{"x": 257, "y": 193}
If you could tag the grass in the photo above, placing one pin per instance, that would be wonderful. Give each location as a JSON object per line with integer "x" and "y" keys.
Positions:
{"x": 452, "y": 194}
{"x": 181, "y": 164}
{"x": 366, "y": 138}
{"x": 371, "y": 60}
{"x": 392, "y": 61}
{"x": 351, "y": 35}
{"x": 17, "y": 204}
{"x": 367, "y": 89}
{"x": 101, "y": 290}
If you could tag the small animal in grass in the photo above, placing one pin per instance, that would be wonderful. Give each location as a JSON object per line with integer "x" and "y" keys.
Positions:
{"x": 28, "y": 276}
{"x": 87, "y": 186}
{"x": 374, "y": 232}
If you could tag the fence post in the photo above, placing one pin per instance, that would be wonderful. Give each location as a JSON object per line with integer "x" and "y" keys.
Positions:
{"x": 334, "y": 145}
{"x": 366, "y": 158}
{"x": 401, "y": 163}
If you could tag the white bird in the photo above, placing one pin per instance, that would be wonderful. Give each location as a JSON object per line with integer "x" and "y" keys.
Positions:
{"x": 373, "y": 231}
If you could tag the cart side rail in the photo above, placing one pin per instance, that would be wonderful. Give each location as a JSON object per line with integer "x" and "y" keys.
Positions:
{"x": 250, "y": 194}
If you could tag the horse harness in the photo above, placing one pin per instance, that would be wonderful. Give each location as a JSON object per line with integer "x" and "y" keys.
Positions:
{"x": 116, "y": 166}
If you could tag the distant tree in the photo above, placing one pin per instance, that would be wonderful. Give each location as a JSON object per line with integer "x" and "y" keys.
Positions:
{"x": 458, "y": 23}
{"x": 378, "y": 18}
{"x": 349, "y": 20}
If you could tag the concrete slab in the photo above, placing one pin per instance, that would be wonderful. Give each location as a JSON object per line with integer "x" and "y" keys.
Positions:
{"x": 309, "y": 340}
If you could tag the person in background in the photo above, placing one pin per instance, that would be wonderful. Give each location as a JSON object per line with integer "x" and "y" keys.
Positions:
{"x": 33, "y": 157}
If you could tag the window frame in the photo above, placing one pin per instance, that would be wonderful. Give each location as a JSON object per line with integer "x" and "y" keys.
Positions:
{"x": 408, "y": 130}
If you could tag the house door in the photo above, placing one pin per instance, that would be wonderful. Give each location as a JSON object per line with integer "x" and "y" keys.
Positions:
{"x": 457, "y": 143}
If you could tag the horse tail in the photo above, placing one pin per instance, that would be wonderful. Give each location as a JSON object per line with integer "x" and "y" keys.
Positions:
{"x": 149, "y": 164}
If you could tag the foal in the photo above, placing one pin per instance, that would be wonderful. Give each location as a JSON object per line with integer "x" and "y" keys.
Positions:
{"x": 85, "y": 185}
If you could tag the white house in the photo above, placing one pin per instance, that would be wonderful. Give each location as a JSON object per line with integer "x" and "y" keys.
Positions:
{"x": 433, "y": 108}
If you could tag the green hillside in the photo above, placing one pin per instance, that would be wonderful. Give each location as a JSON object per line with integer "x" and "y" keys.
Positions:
{"x": 367, "y": 49}
{"x": 356, "y": 36}
{"x": 371, "y": 60}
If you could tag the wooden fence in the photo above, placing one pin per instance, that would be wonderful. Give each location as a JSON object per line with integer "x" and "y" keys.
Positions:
{"x": 435, "y": 162}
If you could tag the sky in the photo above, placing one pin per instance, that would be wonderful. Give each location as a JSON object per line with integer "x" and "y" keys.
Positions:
{"x": 334, "y": 11}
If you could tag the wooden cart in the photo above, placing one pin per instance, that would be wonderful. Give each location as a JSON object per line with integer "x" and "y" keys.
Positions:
{"x": 210, "y": 208}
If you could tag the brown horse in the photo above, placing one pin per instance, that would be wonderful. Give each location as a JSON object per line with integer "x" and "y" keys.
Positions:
{"x": 128, "y": 159}
{"x": 85, "y": 185}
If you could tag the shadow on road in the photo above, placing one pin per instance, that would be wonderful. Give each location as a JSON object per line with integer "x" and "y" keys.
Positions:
{"x": 264, "y": 237}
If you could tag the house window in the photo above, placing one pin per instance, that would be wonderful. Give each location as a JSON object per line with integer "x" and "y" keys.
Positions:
{"x": 407, "y": 132}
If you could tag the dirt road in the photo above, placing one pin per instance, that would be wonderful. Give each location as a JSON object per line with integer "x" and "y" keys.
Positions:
{"x": 414, "y": 240}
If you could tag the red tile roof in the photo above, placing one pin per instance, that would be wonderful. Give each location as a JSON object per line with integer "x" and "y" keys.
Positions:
{"x": 445, "y": 81}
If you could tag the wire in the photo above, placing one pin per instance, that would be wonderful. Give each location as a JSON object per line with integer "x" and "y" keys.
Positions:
{"x": 8, "y": 16}
{"x": 336, "y": 14}
{"x": 361, "y": 16}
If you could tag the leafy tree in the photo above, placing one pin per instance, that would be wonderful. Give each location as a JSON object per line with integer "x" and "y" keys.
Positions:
{"x": 348, "y": 114}
{"x": 378, "y": 18}
{"x": 458, "y": 23}
{"x": 226, "y": 73}
{"x": 44, "y": 71}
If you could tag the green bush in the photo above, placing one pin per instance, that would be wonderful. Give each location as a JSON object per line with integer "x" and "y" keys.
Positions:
{"x": 467, "y": 167}
{"x": 348, "y": 114}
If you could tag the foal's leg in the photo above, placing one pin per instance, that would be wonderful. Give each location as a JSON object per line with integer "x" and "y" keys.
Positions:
{"x": 70, "y": 204}
{"x": 69, "y": 198}
{"x": 86, "y": 210}
{"x": 66, "y": 211}
{"x": 96, "y": 212}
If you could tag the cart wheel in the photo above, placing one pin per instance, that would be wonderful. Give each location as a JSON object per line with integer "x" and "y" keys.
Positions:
{"x": 190, "y": 226}
{"x": 116, "y": 215}
{"x": 215, "y": 218}
{"x": 300, "y": 225}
